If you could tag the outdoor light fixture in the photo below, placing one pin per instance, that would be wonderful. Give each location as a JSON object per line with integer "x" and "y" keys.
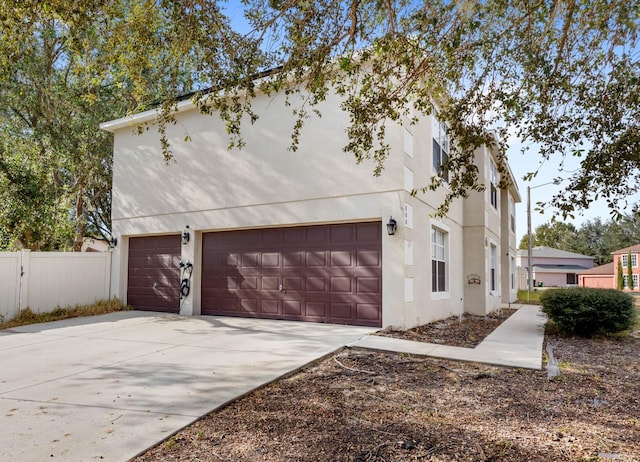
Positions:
{"x": 113, "y": 242}
{"x": 186, "y": 236}
{"x": 392, "y": 226}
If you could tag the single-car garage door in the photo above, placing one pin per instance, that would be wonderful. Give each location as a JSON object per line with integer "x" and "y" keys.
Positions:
{"x": 328, "y": 273}
{"x": 153, "y": 281}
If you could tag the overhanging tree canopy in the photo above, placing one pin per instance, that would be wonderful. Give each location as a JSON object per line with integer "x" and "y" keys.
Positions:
{"x": 562, "y": 75}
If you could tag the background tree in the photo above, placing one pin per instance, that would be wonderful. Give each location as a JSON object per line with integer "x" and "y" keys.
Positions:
{"x": 55, "y": 164}
{"x": 594, "y": 237}
{"x": 629, "y": 272}
{"x": 563, "y": 75}
{"x": 555, "y": 234}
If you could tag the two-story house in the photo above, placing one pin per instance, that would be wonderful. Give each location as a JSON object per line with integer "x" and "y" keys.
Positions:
{"x": 307, "y": 235}
{"x": 606, "y": 276}
{"x": 623, "y": 257}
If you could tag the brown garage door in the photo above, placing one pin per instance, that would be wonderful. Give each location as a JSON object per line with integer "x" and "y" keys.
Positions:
{"x": 153, "y": 282}
{"x": 329, "y": 273}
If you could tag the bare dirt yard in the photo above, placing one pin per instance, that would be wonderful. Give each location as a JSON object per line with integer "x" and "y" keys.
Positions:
{"x": 360, "y": 405}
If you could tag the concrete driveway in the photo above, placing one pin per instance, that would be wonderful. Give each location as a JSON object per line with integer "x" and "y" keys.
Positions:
{"x": 108, "y": 387}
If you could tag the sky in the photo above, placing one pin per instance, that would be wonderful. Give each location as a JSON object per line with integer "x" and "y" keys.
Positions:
{"x": 541, "y": 192}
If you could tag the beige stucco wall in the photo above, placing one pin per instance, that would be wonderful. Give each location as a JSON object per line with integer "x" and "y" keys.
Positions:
{"x": 424, "y": 305}
{"x": 508, "y": 245}
{"x": 208, "y": 187}
{"x": 264, "y": 184}
{"x": 482, "y": 229}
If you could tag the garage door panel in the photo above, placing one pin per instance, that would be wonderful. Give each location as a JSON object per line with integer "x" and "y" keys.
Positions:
{"x": 325, "y": 272}
{"x": 270, "y": 283}
{"x": 315, "y": 235}
{"x": 250, "y": 283}
{"x": 268, "y": 307}
{"x": 250, "y": 260}
{"x": 369, "y": 285}
{"x": 368, "y": 233}
{"x": 249, "y": 305}
{"x": 342, "y": 258}
{"x": 342, "y": 284}
{"x": 293, "y": 259}
{"x": 368, "y": 258}
{"x": 293, "y": 235}
{"x": 342, "y": 233}
{"x": 318, "y": 310}
{"x": 367, "y": 311}
{"x": 315, "y": 284}
{"x": 153, "y": 278}
{"x": 342, "y": 311}
{"x": 230, "y": 304}
{"x": 292, "y": 283}
{"x": 292, "y": 308}
{"x": 271, "y": 238}
{"x": 316, "y": 259}
{"x": 271, "y": 259}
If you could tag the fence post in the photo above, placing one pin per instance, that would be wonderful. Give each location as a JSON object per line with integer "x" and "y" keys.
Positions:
{"x": 107, "y": 276}
{"x": 25, "y": 259}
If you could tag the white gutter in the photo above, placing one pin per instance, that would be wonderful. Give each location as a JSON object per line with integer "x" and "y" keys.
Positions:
{"x": 151, "y": 115}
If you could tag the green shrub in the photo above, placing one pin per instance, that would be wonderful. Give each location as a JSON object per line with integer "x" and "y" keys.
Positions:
{"x": 588, "y": 312}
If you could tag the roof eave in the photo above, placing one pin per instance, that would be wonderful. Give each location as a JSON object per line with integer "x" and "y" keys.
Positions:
{"x": 140, "y": 118}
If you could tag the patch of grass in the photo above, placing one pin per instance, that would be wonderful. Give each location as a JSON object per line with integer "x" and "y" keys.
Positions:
{"x": 531, "y": 298}
{"x": 27, "y": 316}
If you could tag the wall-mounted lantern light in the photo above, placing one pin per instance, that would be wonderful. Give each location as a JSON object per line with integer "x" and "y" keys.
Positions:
{"x": 392, "y": 226}
{"x": 186, "y": 236}
{"x": 113, "y": 242}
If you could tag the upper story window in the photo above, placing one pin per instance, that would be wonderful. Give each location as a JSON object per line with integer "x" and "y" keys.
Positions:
{"x": 440, "y": 148}
{"x": 512, "y": 213}
{"x": 634, "y": 260}
{"x": 493, "y": 177}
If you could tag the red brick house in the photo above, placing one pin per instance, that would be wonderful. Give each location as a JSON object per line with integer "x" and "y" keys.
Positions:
{"x": 606, "y": 276}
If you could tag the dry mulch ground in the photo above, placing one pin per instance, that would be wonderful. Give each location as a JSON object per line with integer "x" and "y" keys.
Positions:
{"x": 360, "y": 405}
{"x": 463, "y": 331}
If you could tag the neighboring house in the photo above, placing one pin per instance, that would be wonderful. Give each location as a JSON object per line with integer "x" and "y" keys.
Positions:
{"x": 304, "y": 235}
{"x": 620, "y": 257}
{"x": 90, "y": 244}
{"x": 606, "y": 276}
{"x": 553, "y": 267}
{"x": 599, "y": 276}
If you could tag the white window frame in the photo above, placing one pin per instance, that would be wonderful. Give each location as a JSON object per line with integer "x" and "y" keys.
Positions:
{"x": 634, "y": 260}
{"x": 512, "y": 272}
{"x": 512, "y": 213}
{"x": 441, "y": 148}
{"x": 493, "y": 179}
{"x": 436, "y": 228}
{"x": 493, "y": 268}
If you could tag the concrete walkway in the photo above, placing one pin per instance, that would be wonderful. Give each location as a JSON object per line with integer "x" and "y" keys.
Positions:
{"x": 108, "y": 387}
{"x": 517, "y": 342}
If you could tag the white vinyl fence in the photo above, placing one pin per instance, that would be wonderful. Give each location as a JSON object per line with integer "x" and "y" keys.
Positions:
{"x": 43, "y": 281}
